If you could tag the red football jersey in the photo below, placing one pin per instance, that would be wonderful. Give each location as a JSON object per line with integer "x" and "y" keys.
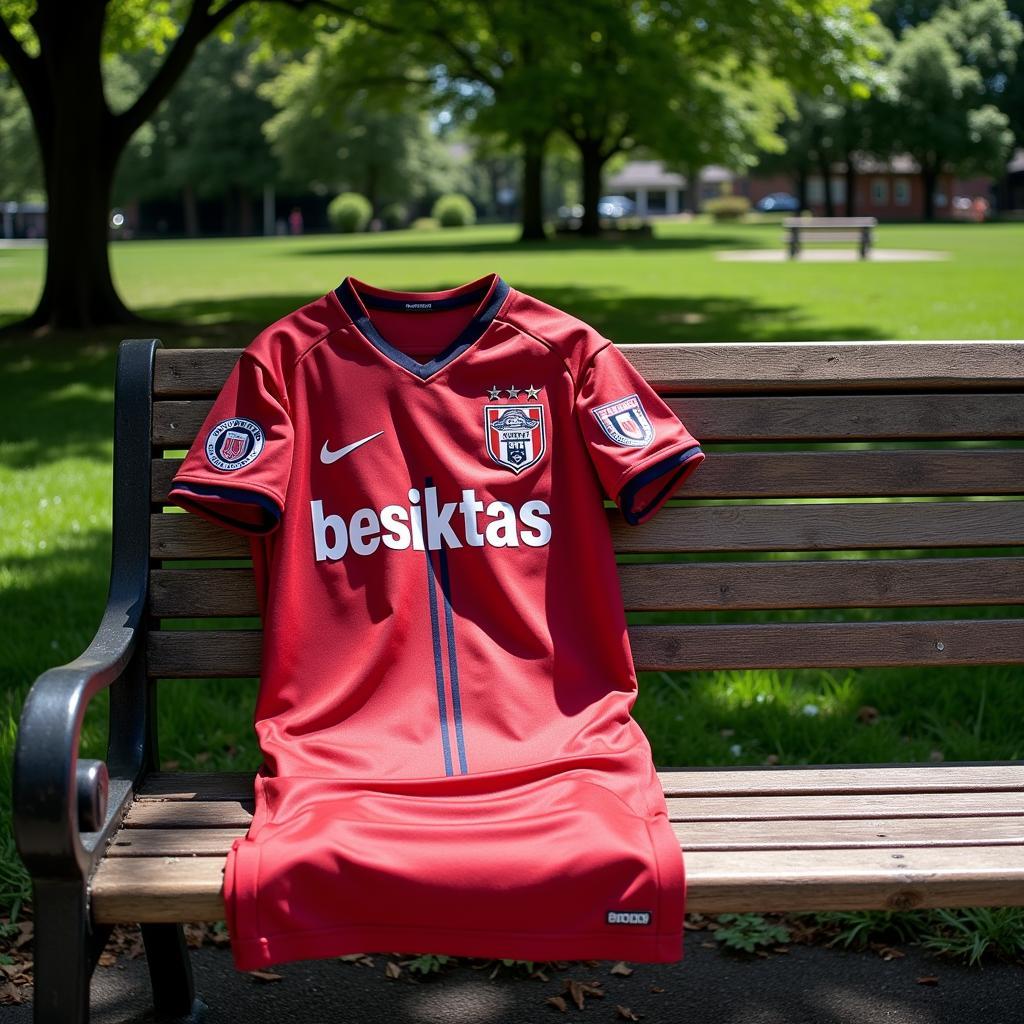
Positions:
{"x": 450, "y": 762}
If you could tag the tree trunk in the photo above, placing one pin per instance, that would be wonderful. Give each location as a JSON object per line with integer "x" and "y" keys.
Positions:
{"x": 245, "y": 219}
{"x": 691, "y": 172}
{"x": 533, "y": 183}
{"x": 801, "y": 187}
{"x": 191, "y": 210}
{"x": 593, "y": 162}
{"x": 826, "y": 185}
{"x": 79, "y": 159}
{"x": 929, "y": 175}
{"x": 851, "y": 187}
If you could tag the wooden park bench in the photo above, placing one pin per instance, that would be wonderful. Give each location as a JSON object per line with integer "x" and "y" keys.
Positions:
{"x": 121, "y": 841}
{"x": 829, "y": 229}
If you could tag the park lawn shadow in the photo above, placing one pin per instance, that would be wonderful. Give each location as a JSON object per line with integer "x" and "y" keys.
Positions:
{"x": 623, "y": 318}
{"x": 363, "y": 244}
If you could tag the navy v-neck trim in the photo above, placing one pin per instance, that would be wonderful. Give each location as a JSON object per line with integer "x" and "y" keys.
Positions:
{"x": 472, "y": 291}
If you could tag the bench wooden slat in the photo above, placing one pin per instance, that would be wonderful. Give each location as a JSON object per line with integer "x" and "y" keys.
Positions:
{"x": 794, "y": 780}
{"x": 828, "y": 222}
{"x": 173, "y": 889}
{"x": 748, "y": 418}
{"x": 785, "y": 527}
{"x": 866, "y": 474}
{"x": 825, "y": 235}
{"x": 724, "y": 809}
{"x": 693, "y": 586}
{"x": 728, "y": 367}
{"x": 692, "y": 836}
{"x": 185, "y": 654}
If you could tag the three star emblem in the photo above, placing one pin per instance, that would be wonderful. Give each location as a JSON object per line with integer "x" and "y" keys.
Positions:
{"x": 494, "y": 393}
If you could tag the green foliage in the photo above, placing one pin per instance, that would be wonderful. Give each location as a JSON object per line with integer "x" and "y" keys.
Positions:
{"x": 425, "y": 224}
{"x": 972, "y": 933}
{"x": 749, "y": 932}
{"x": 857, "y": 929}
{"x": 945, "y": 73}
{"x": 723, "y": 208}
{"x": 453, "y": 211}
{"x": 20, "y": 170}
{"x": 349, "y": 212}
{"x": 429, "y": 963}
{"x": 394, "y": 216}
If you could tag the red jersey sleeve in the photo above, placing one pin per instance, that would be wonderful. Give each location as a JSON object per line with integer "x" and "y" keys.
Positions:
{"x": 641, "y": 450}
{"x": 236, "y": 472}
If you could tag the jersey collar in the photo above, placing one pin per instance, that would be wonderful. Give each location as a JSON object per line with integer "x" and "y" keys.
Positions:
{"x": 489, "y": 291}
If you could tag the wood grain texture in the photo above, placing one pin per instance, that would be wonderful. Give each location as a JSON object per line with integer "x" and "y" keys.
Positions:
{"x": 760, "y": 418}
{"x": 177, "y": 654}
{"x": 863, "y": 474}
{"x": 813, "y": 527}
{"x": 793, "y": 780}
{"x": 694, "y": 586}
{"x": 692, "y": 836}
{"x": 730, "y": 367}
{"x": 770, "y": 807}
{"x": 170, "y": 889}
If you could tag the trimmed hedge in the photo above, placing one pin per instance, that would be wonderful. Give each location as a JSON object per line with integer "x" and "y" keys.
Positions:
{"x": 349, "y": 212}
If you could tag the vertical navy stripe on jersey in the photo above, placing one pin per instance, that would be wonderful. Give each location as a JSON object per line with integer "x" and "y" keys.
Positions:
{"x": 438, "y": 670}
{"x": 453, "y": 662}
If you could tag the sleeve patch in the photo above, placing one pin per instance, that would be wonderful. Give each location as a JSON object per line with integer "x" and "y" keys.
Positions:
{"x": 625, "y": 422}
{"x": 233, "y": 444}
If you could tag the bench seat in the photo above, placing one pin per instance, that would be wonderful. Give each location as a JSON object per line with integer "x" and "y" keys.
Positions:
{"x": 754, "y": 839}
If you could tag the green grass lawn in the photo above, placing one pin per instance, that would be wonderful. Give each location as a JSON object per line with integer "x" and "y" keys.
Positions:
{"x": 55, "y": 453}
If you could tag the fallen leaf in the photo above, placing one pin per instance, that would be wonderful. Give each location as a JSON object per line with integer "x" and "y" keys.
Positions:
{"x": 928, "y": 979}
{"x": 626, "y": 1013}
{"x": 265, "y": 976}
{"x": 657, "y": 988}
{"x": 888, "y": 953}
{"x": 558, "y": 1002}
{"x": 107, "y": 959}
{"x": 621, "y": 968}
{"x": 392, "y": 970}
{"x": 579, "y": 989}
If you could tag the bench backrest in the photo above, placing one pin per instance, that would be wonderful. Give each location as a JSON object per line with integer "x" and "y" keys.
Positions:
{"x": 912, "y": 453}
{"x": 830, "y": 222}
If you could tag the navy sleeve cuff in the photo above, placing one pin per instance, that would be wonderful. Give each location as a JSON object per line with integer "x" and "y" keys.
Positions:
{"x": 265, "y": 513}
{"x": 673, "y": 466}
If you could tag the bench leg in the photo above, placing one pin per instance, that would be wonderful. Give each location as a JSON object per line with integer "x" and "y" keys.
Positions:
{"x": 66, "y": 947}
{"x": 170, "y": 973}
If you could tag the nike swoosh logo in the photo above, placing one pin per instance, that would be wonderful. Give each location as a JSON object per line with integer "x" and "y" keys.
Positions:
{"x": 327, "y": 456}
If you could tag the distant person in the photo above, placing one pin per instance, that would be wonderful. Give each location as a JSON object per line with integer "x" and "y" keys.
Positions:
{"x": 295, "y": 221}
{"x": 979, "y": 208}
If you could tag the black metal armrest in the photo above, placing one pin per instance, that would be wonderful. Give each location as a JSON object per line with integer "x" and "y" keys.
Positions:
{"x": 50, "y": 784}
{"x": 62, "y": 814}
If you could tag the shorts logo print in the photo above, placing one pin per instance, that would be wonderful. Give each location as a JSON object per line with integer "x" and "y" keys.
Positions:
{"x": 234, "y": 444}
{"x": 625, "y": 422}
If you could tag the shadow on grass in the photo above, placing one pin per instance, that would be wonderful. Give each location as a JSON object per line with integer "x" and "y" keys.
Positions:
{"x": 623, "y": 318}
{"x": 58, "y": 401}
{"x": 557, "y": 244}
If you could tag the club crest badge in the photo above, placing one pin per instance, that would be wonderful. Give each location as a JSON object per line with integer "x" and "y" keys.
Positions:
{"x": 625, "y": 422}
{"x": 515, "y": 435}
{"x": 232, "y": 444}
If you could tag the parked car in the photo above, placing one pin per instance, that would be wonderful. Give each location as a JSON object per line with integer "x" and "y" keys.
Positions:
{"x": 778, "y": 202}
{"x": 615, "y": 207}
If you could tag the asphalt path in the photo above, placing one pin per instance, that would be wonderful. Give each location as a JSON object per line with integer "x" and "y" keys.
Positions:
{"x": 807, "y": 985}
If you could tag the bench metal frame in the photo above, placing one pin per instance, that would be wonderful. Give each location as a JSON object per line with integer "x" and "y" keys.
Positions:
{"x": 67, "y": 810}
